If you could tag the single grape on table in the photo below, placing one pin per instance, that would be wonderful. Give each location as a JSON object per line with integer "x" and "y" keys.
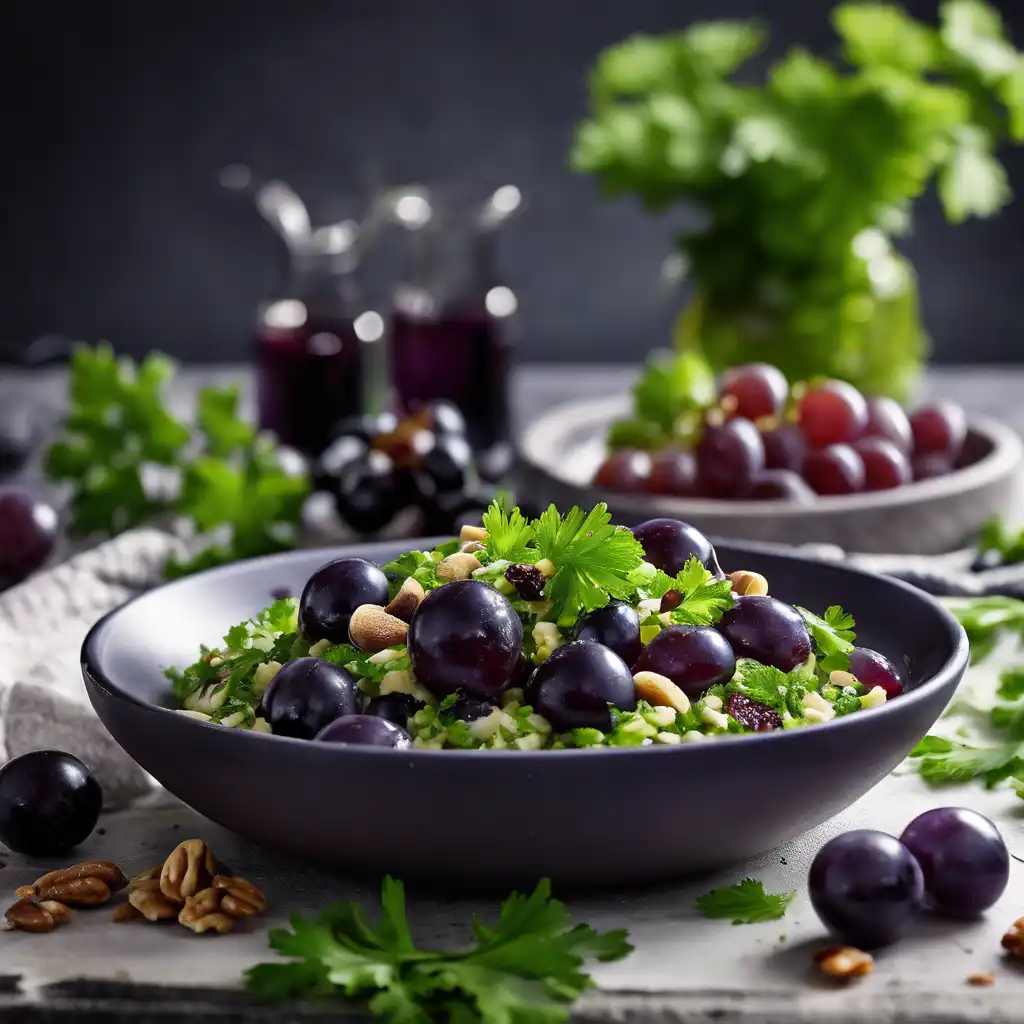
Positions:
{"x": 524, "y": 634}
{"x": 828, "y": 435}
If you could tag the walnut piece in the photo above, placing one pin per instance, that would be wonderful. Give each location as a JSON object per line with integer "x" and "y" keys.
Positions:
{"x": 240, "y": 897}
{"x": 844, "y": 962}
{"x": 202, "y": 913}
{"x": 1013, "y": 940}
{"x": 189, "y": 868}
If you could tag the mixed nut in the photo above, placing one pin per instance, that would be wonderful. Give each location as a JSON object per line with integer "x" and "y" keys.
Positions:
{"x": 186, "y": 886}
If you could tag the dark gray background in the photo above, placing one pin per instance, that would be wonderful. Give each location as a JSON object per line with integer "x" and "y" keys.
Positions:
{"x": 117, "y": 118}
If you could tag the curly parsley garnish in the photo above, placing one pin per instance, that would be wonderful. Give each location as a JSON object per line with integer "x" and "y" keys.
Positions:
{"x": 833, "y": 636}
{"x": 528, "y": 966}
{"x": 744, "y": 903}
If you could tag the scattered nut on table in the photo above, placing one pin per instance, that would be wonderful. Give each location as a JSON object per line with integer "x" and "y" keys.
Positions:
{"x": 240, "y": 898}
{"x": 152, "y": 905}
{"x": 203, "y": 913}
{"x": 28, "y": 916}
{"x": 844, "y": 962}
{"x": 982, "y": 979}
{"x": 188, "y": 869}
{"x": 1013, "y": 940}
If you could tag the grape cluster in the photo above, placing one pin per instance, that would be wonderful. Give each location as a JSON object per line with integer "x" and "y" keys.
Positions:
{"x": 868, "y": 886}
{"x": 763, "y": 440}
{"x": 377, "y": 466}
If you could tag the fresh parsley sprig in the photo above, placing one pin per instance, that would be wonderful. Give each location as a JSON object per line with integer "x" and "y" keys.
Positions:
{"x": 744, "y": 903}
{"x": 833, "y": 636}
{"x": 129, "y": 460}
{"x": 527, "y": 967}
{"x": 593, "y": 560}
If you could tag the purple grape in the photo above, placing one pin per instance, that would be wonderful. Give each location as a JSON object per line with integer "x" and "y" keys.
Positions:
{"x": 669, "y": 543}
{"x": 49, "y": 803}
{"x": 784, "y": 448}
{"x": 963, "y": 858}
{"x": 693, "y": 657}
{"x": 832, "y": 413}
{"x": 446, "y": 418}
{"x": 446, "y": 465}
{"x": 768, "y": 631}
{"x": 575, "y": 686}
{"x": 368, "y": 491}
{"x": 28, "y": 532}
{"x": 885, "y": 464}
{"x": 837, "y": 469}
{"x": 625, "y": 471}
{"x": 754, "y": 391}
{"x": 674, "y": 472}
{"x": 779, "y": 485}
{"x": 307, "y": 694}
{"x": 866, "y": 887}
{"x": 729, "y": 457}
{"x": 364, "y": 731}
{"x": 334, "y": 592}
{"x": 873, "y": 669}
{"x": 617, "y": 626}
{"x": 469, "y": 709}
{"x": 939, "y": 429}
{"x": 395, "y": 707}
{"x": 465, "y": 636}
{"x": 886, "y": 419}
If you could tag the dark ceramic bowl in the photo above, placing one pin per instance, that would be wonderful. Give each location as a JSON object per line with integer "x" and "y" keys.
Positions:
{"x": 581, "y": 816}
{"x": 561, "y": 451}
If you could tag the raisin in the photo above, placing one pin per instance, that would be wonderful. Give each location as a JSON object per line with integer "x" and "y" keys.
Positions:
{"x": 752, "y": 713}
{"x": 670, "y": 601}
{"x": 528, "y": 581}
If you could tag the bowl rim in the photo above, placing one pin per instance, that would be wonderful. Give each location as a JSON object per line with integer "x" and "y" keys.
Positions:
{"x": 95, "y": 676}
{"x": 1006, "y": 456}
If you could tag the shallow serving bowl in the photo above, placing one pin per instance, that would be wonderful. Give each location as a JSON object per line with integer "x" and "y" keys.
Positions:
{"x": 561, "y": 451}
{"x": 580, "y": 816}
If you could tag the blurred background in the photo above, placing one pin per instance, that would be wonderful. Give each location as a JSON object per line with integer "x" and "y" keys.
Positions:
{"x": 120, "y": 119}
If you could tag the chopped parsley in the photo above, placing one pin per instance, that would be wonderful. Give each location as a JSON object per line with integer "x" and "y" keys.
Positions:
{"x": 527, "y": 967}
{"x": 509, "y": 535}
{"x": 744, "y": 903}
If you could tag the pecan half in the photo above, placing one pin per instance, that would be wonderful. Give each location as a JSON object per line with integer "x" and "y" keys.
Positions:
{"x": 26, "y": 916}
{"x": 106, "y": 871}
{"x": 240, "y": 897}
{"x": 189, "y": 868}
{"x": 153, "y": 906}
{"x": 202, "y": 913}
{"x": 1013, "y": 940}
{"x": 83, "y": 891}
{"x": 844, "y": 962}
{"x": 26, "y": 892}
{"x": 126, "y": 912}
{"x": 60, "y": 913}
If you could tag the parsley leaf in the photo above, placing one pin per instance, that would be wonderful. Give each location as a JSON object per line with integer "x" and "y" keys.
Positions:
{"x": 833, "y": 636}
{"x": 593, "y": 560}
{"x": 745, "y": 903}
{"x": 526, "y": 967}
{"x": 705, "y": 597}
{"x": 944, "y": 760}
{"x": 985, "y": 619}
{"x": 763, "y": 683}
{"x": 509, "y": 535}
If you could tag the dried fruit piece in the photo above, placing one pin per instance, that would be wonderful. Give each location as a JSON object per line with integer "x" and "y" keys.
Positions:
{"x": 528, "y": 580}
{"x": 752, "y": 713}
{"x": 670, "y": 601}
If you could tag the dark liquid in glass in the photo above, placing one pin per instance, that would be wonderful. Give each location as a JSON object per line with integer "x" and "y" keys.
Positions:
{"x": 308, "y": 378}
{"x": 460, "y": 354}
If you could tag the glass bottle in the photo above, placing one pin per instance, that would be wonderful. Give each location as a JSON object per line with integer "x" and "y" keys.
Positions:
{"x": 452, "y": 329}
{"x": 310, "y": 340}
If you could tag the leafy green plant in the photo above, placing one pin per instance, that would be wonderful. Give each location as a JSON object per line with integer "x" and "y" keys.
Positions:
{"x": 527, "y": 967}
{"x": 128, "y": 460}
{"x": 804, "y": 179}
{"x": 744, "y": 903}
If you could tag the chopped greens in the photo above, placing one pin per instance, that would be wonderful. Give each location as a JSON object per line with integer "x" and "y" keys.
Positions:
{"x": 527, "y": 967}
{"x": 744, "y": 903}
{"x": 833, "y": 635}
